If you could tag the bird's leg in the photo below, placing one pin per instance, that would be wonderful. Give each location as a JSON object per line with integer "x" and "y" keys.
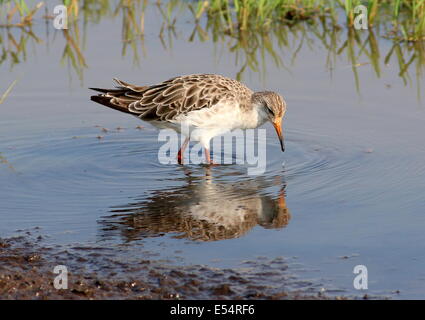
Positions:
{"x": 181, "y": 151}
{"x": 208, "y": 158}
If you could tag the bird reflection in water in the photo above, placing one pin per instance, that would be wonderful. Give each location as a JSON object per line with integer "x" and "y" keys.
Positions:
{"x": 204, "y": 209}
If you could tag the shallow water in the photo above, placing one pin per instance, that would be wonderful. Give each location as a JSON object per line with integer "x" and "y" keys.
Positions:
{"x": 348, "y": 190}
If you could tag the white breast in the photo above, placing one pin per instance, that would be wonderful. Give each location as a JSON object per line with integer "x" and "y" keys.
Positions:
{"x": 202, "y": 125}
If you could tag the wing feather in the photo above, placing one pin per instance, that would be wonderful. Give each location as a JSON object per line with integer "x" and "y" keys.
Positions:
{"x": 171, "y": 98}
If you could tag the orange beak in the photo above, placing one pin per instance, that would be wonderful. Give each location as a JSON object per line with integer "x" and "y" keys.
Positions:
{"x": 278, "y": 126}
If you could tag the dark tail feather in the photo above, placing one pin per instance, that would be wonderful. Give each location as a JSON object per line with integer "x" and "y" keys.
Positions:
{"x": 114, "y": 92}
{"x": 101, "y": 90}
{"x": 106, "y": 101}
{"x": 120, "y": 97}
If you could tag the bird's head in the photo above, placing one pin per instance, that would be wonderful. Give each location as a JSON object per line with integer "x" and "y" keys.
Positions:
{"x": 273, "y": 108}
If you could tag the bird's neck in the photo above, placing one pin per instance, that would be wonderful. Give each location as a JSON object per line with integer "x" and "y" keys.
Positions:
{"x": 255, "y": 117}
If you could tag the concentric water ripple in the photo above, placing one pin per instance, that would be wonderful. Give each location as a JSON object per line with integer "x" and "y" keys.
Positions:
{"x": 79, "y": 168}
{"x": 129, "y": 159}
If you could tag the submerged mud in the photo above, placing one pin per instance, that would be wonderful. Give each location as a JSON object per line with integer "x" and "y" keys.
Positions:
{"x": 27, "y": 265}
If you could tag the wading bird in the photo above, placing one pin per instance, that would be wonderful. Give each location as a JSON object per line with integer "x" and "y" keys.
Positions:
{"x": 211, "y": 104}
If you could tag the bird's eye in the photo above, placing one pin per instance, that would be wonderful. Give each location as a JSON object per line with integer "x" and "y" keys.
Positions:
{"x": 270, "y": 111}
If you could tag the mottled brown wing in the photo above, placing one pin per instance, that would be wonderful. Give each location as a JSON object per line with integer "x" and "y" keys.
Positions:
{"x": 177, "y": 96}
{"x": 180, "y": 95}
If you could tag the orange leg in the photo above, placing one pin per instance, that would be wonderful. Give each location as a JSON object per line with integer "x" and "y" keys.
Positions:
{"x": 181, "y": 151}
{"x": 208, "y": 157}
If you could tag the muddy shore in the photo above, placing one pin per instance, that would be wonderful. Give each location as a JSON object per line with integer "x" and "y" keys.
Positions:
{"x": 26, "y": 272}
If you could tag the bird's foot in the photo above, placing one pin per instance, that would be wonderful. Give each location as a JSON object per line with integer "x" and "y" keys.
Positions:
{"x": 213, "y": 164}
{"x": 208, "y": 160}
{"x": 180, "y": 159}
